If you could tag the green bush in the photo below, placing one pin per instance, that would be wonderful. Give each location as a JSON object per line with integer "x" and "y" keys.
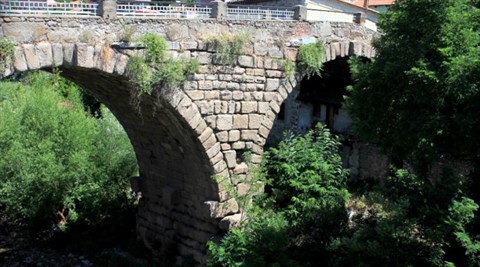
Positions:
{"x": 6, "y": 53}
{"x": 228, "y": 46}
{"x": 58, "y": 164}
{"x": 307, "y": 177}
{"x": 409, "y": 221}
{"x": 310, "y": 59}
{"x": 156, "y": 47}
{"x": 262, "y": 241}
{"x": 304, "y": 211}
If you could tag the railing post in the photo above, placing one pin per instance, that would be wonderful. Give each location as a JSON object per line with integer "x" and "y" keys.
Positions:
{"x": 360, "y": 18}
{"x": 300, "y": 13}
{"x": 107, "y": 9}
{"x": 219, "y": 10}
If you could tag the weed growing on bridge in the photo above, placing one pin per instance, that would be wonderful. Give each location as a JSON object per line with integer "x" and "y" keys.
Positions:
{"x": 228, "y": 46}
{"x": 6, "y": 53}
{"x": 156, "y": 68}
{"x": 310, "y": 59}
{"x": 156, "y": 47}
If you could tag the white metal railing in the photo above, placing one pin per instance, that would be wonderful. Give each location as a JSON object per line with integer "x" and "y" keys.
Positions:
{"x": 243, "y": 12}
{"x": 162, "y": 10}
{"x": 329, "y": 15}
{"x": 14, "y": 7}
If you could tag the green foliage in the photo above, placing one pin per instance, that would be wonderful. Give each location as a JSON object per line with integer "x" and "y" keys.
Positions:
{"x": 56, "y": 160}
{"x": 156, "y": 67}
{"x": 423, "y": 85}
{"x": 156, "y": 47}
{"x": 6, "y": 53}
{"x": 307, "y": 177}
{"x": 228, "y": 46}
{"x": 409, "y": 222}
{"x": 171, "y": 72}
{"x": 140, "y": 74}
{"x": 306, "y": 207}
{"x": 263, "y": 241}
{"x": 310, "y": 59}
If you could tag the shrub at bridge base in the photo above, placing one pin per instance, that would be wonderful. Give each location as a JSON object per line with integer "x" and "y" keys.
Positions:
{"x": 59, "y": 165}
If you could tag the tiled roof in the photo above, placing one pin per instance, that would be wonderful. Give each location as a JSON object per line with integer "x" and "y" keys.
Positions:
{"x": 361, "y": 3}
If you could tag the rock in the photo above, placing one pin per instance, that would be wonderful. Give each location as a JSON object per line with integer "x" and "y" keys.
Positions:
{"x": 229, "y": 222}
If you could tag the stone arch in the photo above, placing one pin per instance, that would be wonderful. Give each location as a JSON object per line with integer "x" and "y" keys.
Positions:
{"x": 176, "y": 150}
{"x": 333, "y": 50}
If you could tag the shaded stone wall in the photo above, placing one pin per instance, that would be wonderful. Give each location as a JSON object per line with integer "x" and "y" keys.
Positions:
{"x": 183, "y": 137}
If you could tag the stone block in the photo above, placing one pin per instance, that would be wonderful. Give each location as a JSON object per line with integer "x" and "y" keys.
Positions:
{"x": 249, "y": 106}
{"x": 206, "y": 107}
{"x": 222, "y": 209}
{"x": 254, "y": 121}
{"x": 231, "y": 158}
{"x": 241, "y": 168}
{"x": 245, "y": 61}
{"x": 214, "y": 150}
{"x": 195, "y": 95}
{"x": 32, "y": 60}
{"x": 84, "y": 55}
{"x": 238, "y": 145}
{"x": 230, "y": 222}
{"x": 272, "y": 85}
{"x": 233, "y": 135}
{"x": 247, "y": 135}
{"x": 225, "y": 146}
{"x": 190, "y": 85}
{"x": 212, "y": 95}
{"x": 19, "y": 61}
{"x": 224, "y": 122}
{"x": 222, "y": 136}
{"x": 217, "y": 158}
{"x": 237, "y": 95}
{"x": 242, "y": 189}
{"x": 240, "y": 122}
{"x": 226, "y": 95}
{"x": 205, "y": 85}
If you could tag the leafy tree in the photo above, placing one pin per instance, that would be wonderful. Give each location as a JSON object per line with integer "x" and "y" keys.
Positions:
{"x": 305, "y": 209}
{"x": 59, "y": 164}
{"x": 419, "y": 98}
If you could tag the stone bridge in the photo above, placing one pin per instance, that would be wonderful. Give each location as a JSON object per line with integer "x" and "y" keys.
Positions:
{"x": 204, "y": 127}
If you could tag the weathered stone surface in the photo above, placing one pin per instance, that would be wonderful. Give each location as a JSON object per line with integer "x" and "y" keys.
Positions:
{"x": 245, "y": 61}
{"x": 254, "y": 121}
{"x": 25, "y": 32}
{"x": 222, "y": 209}
{"x": 249, "y": 106}
{"x": 231, "y": 158}
{"x": 32, "y": 60}
{"x": 272, "y": 84}
{"x": 84, "y": 55}
{"x": 224, "y": 122}
{"x": 240, "y": 122}
{"x": 233, "y": 135}
{"x": 19, "y": 61}
{"x": 241, "y": 168}
{"x": 230, "y": 222}
{"x": 222, "y": 136}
